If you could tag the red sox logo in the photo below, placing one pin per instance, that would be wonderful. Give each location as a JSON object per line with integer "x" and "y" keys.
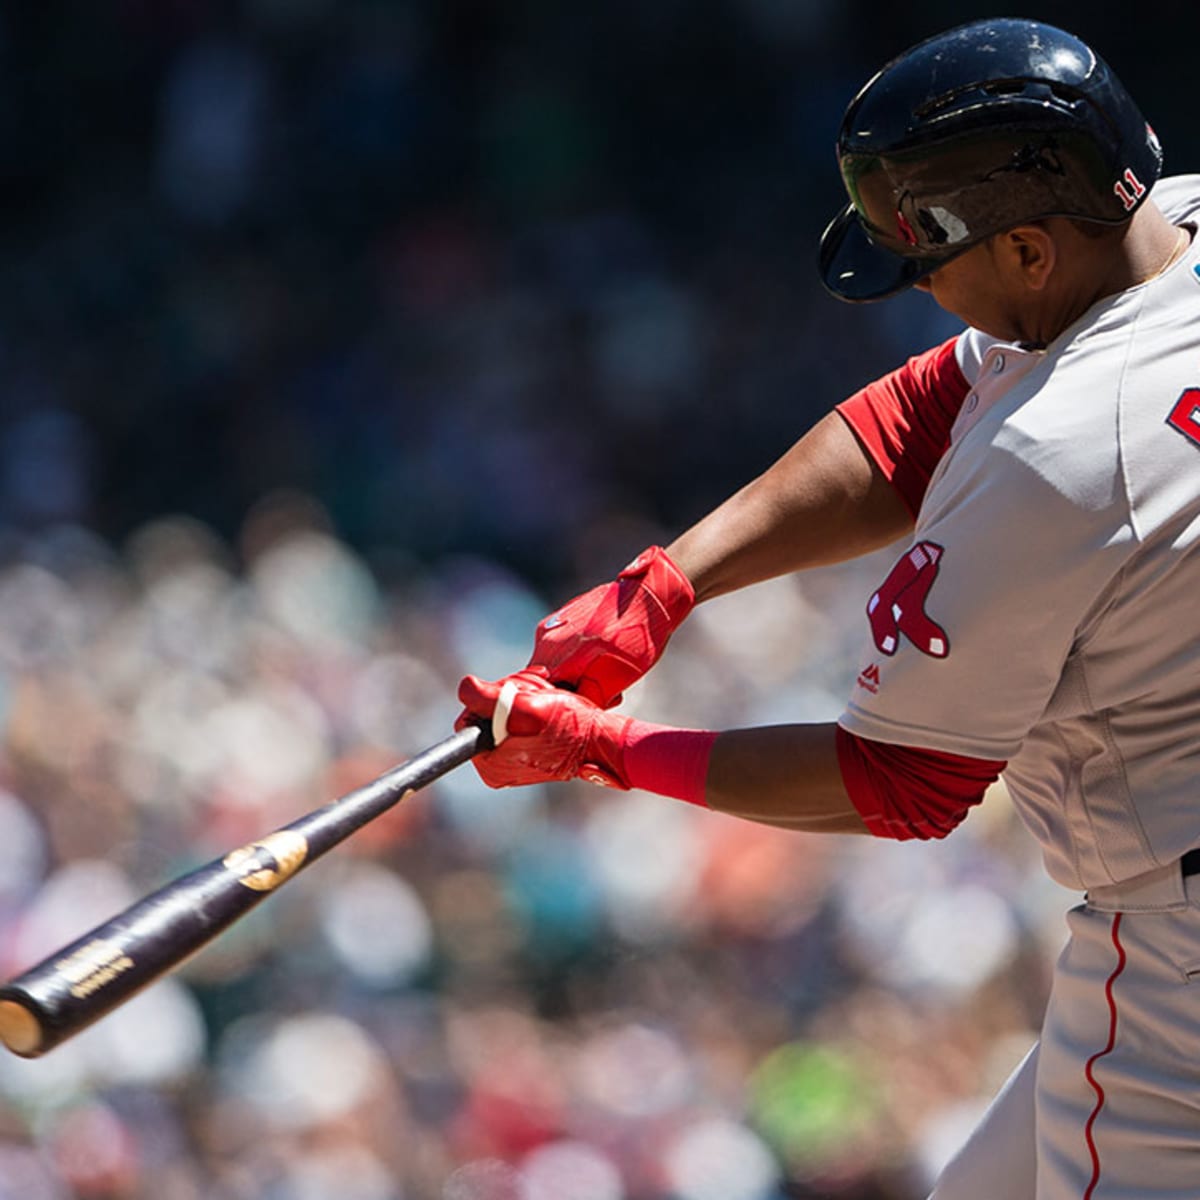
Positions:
{"x": 1185, "y": 416}
{"x": 898, "y": 607}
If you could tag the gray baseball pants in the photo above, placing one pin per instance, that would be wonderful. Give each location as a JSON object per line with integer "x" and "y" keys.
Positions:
{"x": 1107, "y": 1105}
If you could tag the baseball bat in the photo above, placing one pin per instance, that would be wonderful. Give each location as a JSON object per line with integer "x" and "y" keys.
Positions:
{"x": 99, "y": 971}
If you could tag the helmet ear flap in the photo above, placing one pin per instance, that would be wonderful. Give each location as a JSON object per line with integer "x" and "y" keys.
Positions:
{"x": 972, "y": 132}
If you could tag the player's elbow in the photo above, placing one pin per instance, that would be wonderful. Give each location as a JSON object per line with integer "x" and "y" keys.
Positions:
{"x": 903, "y": 827}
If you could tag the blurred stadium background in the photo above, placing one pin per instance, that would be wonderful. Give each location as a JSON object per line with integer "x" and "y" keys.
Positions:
{"x": 339, "y": 339}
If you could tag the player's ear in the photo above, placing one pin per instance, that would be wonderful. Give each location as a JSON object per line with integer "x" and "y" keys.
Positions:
{"x": 1031, "y": 252}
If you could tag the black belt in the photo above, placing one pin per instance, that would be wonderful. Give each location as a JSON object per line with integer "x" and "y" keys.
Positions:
{"x": 1191, "y": 862}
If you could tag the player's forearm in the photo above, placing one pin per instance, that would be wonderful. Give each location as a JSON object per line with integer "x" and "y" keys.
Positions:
{"x": 824, "y": 501}
{"x": 784, "y": 775}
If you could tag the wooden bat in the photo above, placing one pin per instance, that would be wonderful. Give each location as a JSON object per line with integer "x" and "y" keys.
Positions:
{"x": 99, "y": 971}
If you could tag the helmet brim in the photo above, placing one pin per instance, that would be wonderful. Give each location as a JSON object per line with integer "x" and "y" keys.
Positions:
{"x": 854, "y": 268}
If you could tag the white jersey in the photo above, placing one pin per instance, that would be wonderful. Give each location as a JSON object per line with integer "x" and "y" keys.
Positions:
{"x": 1048, "y": 612}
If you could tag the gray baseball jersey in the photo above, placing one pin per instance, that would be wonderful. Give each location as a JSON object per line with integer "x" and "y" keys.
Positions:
{"x": 1048, "y": 610}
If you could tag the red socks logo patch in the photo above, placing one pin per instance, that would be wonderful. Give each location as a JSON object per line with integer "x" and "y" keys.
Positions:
{"x": 898, "y": 607}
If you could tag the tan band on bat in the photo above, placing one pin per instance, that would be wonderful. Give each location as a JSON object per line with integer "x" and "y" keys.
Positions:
{"x": 504, "y": 703}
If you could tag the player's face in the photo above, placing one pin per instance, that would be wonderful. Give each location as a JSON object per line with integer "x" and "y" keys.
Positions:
{"x": 974, "y": 288}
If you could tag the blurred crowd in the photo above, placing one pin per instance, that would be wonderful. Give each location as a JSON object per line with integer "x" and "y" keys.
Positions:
{"x": 339, "y": 340}
{"x": 560, "y": 993}
{"x": 432, "y": 262}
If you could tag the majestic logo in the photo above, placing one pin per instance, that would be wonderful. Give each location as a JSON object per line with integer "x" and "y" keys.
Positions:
{"x": 898, "y": 607}
{"x": 868, "y": 678}
{"x": 1129, "y": 189}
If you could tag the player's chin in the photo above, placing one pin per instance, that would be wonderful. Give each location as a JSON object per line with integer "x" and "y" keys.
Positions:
{"x": 992, "y": 324}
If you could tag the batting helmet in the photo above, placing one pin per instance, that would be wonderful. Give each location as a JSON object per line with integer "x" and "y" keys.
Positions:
{"x": 970, "y": 133}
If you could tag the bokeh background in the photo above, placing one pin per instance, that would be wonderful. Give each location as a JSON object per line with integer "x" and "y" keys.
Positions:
{"x": 339, "y": 341}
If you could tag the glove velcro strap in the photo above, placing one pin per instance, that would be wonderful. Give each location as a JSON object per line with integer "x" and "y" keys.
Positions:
{"x": 655, "y": 572}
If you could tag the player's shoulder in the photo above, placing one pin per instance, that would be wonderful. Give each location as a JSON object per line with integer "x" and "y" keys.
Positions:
{"x": 1038, "y": 426}
{"x": 1178, "y": 196}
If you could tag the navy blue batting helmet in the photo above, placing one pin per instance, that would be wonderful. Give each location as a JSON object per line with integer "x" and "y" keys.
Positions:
{"x": 970, "y": 133}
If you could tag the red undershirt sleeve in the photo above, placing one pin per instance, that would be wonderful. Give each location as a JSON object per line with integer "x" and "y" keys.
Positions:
{"x": 905, "y": 792}
{"x": 903, "y": 420}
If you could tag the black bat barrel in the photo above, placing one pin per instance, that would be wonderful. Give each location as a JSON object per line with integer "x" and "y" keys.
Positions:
{"x": 99, "y": 971}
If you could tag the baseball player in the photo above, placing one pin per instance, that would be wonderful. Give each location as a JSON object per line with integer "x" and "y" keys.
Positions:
{"x": 1041, "y": 618}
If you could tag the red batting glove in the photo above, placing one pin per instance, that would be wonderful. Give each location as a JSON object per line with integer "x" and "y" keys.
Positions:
{"x": 608, "y": 638}
{"x": 543, "y": 733}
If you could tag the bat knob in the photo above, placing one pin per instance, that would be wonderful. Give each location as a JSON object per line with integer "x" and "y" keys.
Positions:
{"x": 20, "y": 1030}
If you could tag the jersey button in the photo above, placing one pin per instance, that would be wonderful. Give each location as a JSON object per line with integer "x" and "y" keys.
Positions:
{"x": 998, "y": 363}
{"x": 972, "y": 402}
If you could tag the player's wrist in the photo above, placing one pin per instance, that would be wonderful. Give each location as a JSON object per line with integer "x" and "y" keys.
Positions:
{"x": 667, "y": 761}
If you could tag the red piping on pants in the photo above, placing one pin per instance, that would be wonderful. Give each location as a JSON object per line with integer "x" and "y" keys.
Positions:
{"x": 1112, "y": 1041}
